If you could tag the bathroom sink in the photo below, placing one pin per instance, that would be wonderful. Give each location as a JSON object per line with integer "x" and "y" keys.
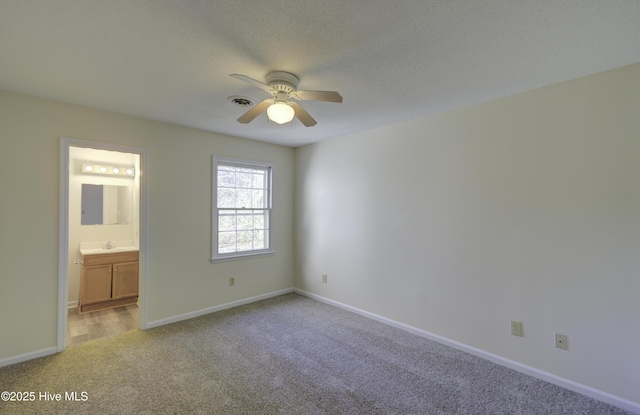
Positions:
{"x": 107, "y": 250}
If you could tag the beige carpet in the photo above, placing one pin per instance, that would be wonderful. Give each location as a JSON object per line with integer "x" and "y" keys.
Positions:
{"x": 285, "y": 355}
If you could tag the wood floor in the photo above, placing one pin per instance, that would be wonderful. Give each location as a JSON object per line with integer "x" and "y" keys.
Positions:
{"x": 100, "y": 324}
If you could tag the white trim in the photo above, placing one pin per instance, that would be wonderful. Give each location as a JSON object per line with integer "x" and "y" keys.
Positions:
{"x": 63, "y": 229}
{"x": 519, "y": 367}
{"x": 27, "y": 356}
{"x": 63, "y": 245}
{"x": 72, "y": 304}
{"x": 198, "y": 313}
{"x": 245, "y": 256}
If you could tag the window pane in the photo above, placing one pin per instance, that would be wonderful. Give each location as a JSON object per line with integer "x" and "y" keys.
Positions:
{"x": 258, "y": 179}
{"x": 226, "y": 197}
{"x": 226, "y": 242}
{"x": 243, "y": 179}
{"x": 243, "y": 198}
{"x": 258, "y": 198}
{"x": 245, "y": 221}
{"x": 245, "y": 241}
{"x": 226, "y": 178}
{"x": 258, "y": 220}
{"x": 226, "y": 222}
{"x": 259, "y": 240}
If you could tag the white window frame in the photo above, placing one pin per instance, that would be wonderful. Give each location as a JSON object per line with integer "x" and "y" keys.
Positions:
{"x": 229, "y": 256}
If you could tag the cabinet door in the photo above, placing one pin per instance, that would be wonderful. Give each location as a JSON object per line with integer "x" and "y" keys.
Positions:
{"x": 96, "y": 285}
{"x": 125, "y": 280}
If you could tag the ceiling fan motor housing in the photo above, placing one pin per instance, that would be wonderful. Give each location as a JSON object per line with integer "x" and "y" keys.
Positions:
{"x": 283, "y": 81}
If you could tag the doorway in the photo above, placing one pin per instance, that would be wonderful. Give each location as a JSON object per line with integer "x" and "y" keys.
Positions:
{"x": 123, "y": 227}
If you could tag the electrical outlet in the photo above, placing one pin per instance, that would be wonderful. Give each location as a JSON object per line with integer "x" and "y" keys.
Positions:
{"x": 232, "y": 281}
{"x": 516, "y": 328}
{"x": 324, "y": 278}
{"x": 561, "y": 341}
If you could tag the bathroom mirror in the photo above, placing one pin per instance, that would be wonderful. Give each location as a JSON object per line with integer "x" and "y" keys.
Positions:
{"x": 106, "y": 204}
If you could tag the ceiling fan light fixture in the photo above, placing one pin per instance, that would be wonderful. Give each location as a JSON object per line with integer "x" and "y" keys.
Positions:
{"x": 280, "y": 112}
{"x": 283, "y": 86}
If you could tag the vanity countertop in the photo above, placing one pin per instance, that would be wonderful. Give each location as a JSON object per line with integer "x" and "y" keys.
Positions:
{"x": 95, "y": 251}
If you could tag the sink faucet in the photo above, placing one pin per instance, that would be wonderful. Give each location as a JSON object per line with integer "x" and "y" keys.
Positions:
{"x": 108, "y": 245}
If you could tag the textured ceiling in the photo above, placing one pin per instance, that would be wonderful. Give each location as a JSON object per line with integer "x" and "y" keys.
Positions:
{"x": 170, "y": 60}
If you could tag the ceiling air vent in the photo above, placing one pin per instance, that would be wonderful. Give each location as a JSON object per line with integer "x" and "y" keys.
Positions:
{"x": 239, "y": 101}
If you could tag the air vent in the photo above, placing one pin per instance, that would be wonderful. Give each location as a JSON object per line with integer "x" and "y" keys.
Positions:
{"x": 239, "y": 101}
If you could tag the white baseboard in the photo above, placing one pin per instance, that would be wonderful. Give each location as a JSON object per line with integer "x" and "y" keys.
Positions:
{"x": 27, "y": 356}
{"x": 72, "y": 304}
{"x": 528, "y": 370}
{"x": 198, "y": 313}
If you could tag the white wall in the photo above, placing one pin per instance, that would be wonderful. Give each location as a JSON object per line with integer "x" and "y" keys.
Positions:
{"x": 523, "y": 208}
{"x": 181, "y": 278}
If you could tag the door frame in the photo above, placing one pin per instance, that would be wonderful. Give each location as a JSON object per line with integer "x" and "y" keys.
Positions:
{"x": 63, "y": 232}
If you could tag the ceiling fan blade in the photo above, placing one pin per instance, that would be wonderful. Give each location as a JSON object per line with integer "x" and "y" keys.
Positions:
{"x": 248, "y": 116}
{"x": 328, "y": 96}
{"x": 302, "y": 114}
{"x": 252, "y": 82}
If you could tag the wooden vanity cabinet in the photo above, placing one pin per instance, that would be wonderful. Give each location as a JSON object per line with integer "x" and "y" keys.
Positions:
{"x": 109, "y": 280}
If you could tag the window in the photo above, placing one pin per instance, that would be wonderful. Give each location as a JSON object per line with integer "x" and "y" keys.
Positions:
{"x": 241, "y": 209}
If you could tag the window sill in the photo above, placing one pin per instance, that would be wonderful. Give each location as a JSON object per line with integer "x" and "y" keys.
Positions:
{"x": 242, "y": 256}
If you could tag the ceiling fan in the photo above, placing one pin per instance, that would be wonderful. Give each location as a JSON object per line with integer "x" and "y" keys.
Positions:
{"x": 281, "y": 108}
